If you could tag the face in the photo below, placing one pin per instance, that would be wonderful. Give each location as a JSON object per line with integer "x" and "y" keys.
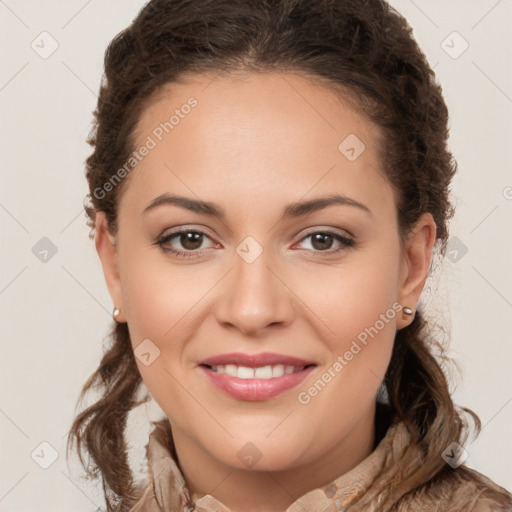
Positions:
{"x": 253, "y": 272}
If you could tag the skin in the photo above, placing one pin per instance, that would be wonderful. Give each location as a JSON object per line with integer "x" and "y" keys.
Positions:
{"x": 254, "y": 144}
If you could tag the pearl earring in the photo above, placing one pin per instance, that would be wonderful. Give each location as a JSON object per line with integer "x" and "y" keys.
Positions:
{"x": 115, "y": 313}
{"x": 408, "y": 311}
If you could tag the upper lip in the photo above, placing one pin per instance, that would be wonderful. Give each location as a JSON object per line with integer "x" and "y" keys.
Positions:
{"x": 255, "y": 360}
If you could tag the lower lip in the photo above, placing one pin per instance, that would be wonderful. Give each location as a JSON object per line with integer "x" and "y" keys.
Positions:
{"x": 255, "y": 389}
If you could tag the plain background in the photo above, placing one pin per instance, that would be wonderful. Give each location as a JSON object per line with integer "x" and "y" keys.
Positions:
{"x": 55, "y": 313}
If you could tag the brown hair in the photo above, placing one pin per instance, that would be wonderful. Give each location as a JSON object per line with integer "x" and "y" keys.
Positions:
{"x": 360, "y": 46}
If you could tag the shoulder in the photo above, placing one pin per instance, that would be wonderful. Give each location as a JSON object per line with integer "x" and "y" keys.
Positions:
{"x": 459, "y": 490}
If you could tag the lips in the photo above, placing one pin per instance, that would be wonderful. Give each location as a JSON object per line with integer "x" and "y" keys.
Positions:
{"x": 255, "y": 376}
{"x": 255, "y": 360}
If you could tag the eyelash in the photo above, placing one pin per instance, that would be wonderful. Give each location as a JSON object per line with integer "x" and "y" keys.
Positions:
{"x": 345, "y": 241}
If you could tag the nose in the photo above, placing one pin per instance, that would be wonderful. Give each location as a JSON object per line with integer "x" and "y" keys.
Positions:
{"x": 254, "y": 296}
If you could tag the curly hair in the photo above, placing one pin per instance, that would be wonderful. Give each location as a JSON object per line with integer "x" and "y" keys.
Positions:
{"x": 361, "y": 47}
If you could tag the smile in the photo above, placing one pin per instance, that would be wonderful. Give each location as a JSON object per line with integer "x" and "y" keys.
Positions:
{"x": 262, "y": 372}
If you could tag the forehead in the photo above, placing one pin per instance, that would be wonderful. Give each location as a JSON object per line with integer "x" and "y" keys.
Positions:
{"x": 255, "y": 135}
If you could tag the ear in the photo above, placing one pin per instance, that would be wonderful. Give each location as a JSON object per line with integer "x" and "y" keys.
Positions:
{"x": 415, "y": 265}
{"x": 107, "y": 251}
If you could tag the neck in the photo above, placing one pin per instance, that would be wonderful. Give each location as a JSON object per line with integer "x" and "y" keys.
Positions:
{"x": 243, "y": 490}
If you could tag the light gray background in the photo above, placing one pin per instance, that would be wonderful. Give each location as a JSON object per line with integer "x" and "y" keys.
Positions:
{"x": 55, "y": 314}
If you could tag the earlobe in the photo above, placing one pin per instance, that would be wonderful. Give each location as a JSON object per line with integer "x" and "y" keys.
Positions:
{"x": 416, "y": 264}
{"x": 107, "y": 251}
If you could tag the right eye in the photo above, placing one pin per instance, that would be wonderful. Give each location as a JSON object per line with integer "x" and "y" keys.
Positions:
{"x": 190, "y": 240}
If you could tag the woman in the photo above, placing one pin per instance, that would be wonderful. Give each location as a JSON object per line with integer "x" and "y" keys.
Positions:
{"x": 269, "y": 184}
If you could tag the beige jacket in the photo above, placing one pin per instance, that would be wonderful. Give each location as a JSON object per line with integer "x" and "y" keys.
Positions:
{"x": 465, "y": 490}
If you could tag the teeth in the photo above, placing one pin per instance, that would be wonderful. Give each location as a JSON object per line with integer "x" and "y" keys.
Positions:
{"x": 245, "y": 373}
{"x": 278, "y": 370}
{"x": 263, "y": 372}
{"x": 231, "y": 370}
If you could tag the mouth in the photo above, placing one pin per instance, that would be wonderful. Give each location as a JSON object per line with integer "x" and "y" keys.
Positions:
{"x": 255, "y": 383}
{"x": 261, "y": 372}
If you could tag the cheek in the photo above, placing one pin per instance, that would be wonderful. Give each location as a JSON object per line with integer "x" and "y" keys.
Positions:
{"x": 358, "y": 310}
{"x": 158, "y": 299}
{"x": 352, "y": 298}
{"x": 345, "y": 388}
{"x": 164, "y": 304}
{"x": 160, "y": 307}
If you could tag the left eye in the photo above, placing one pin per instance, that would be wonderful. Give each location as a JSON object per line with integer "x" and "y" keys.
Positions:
{"x": 322, "y": 241}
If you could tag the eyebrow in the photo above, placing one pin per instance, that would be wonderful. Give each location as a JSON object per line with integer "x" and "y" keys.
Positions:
{"x": 290, "y": 211}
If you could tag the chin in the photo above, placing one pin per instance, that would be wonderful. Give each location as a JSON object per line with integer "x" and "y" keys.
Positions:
{"x": 261, "y": 455}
